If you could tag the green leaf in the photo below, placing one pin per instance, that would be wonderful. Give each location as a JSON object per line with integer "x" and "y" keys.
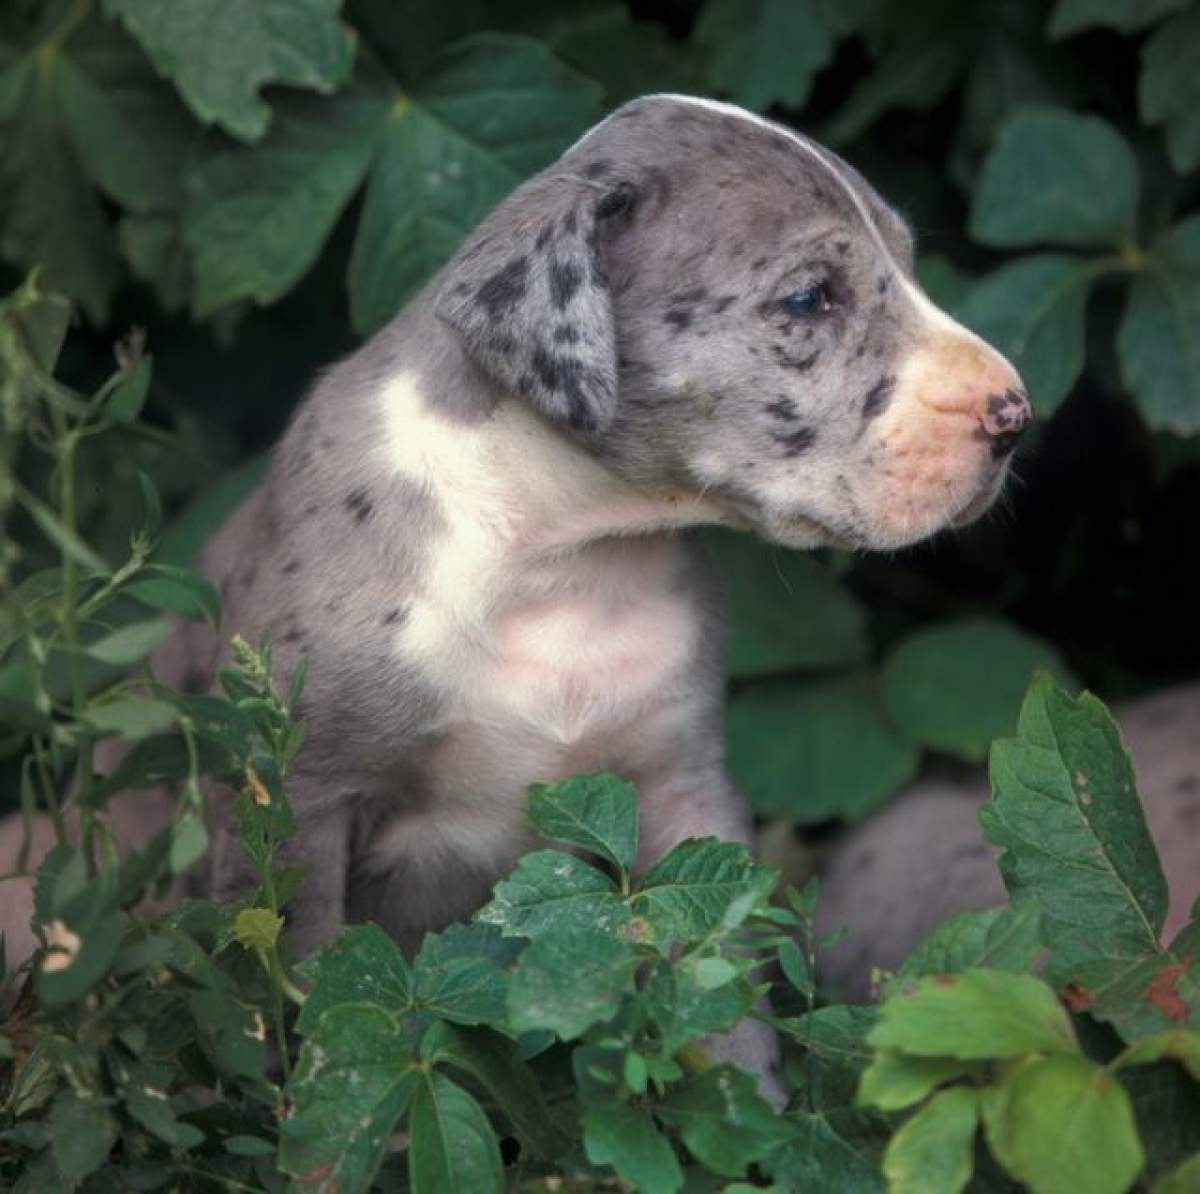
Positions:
{"x": 1127, "y": 16}
{"x": 975, "y": 1015}
{"x": 1185, "y": 1179}
{"x": 994, "y": 938}
{"x": 1056, "y": 176}
{"x": 1159, "y": 339}
{"x": 189, "y": 842}
{"x": 566, "y": 982}
{"x": 624, "y": 1136}
{"x": 1061, "y": 1124}
{"x": 257, "y": 218}
{"x": 813, "y": 750}
{"x": 355, "y": 1076}
{"x": 452, "y": 1148}
{"x": 178, "y": 590}
{"x": 1169, "y": 87}
{"x": 257, "y": 928}
{"x": 683, "y": 1009}
{"x": 954, "y": 686}
{"x": 766, "y": 51}
{"x": 551, "y": 892}
{"x": 934, "y": 1150}
{"x": 702, "y": 885}
{"x": 362, "y": 965}
{"x": 126, "y": 401}
{"x": 787, "y": 611}
{"x": 460, "y": 974}
{"x": 499, "y": 108}
{"x": 129, "y": 644}
{"x": 597, "y": 812}
{"x": 65, "y": 539}
{"x": 131, "y": 718}
{"x": 1065, "y": 811}
{"x": 221, "y": 53}
{"x": 1182, "y": 1046}
{"x": 723, "y": 1121}
{"x": 1032, "y": 310}
{"x": 496, "y": 1064}
{"x": 836, "y": 1053}
{"x": 836, "y": 1153}
{"x": 895, "y": 1080}
{"x": 82, "y": 1133}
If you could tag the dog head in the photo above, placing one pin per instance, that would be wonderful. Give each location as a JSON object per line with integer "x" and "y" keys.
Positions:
{"x": 712, "y": 304}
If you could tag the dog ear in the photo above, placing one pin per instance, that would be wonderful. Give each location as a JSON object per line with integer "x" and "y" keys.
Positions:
{"x": 529, "y": 296}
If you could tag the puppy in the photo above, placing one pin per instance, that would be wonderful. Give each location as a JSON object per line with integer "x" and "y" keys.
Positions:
{"x": 471, "y": 528}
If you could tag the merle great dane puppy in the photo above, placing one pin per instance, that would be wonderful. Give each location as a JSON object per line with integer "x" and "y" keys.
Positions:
{"x": 471, "y": 527}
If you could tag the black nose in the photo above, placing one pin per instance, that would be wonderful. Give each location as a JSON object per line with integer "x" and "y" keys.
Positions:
{"x": 1004, "y": 418}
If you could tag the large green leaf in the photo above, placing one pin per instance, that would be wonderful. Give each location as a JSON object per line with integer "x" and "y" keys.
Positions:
{"x": 356, "y": 1075}
{"x": 257, "y": 218}
{"x": 452, "y": 1148}
{"x": 82, "y": 1133}
{"x": 763, "y": 52}
{"x": 955, "y": 686}
{"x": 1065, "y": 811}
{"x": 499, "y": 108}
{"x": 1060, "y": 1124}
{"x": 1159, "y": 338}
{"x": 1072, "y": 16}
{"x": 1169, "y": 87}
{"x": 221, "y": 53}
{"x": 837, "y": 1152}
{"x": 787, "y": 611}
{"x": 1032, "y": 310}
{"x": 935, "y": 1149}
{"x": 597, "y": 812}
{"x": 682, "y": 1009}
{"x": 815, "y": 750}
{"x": 1059, "y": 177}
{"x": 996, "y": 938}
{"x": 625, "y": 1136}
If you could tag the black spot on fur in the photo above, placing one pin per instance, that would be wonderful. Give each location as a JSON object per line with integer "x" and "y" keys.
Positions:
{"x": 694, "y": 295}
{"x": 392, "y": 617}
{"x": 290, "y": 567}
{"x": 781, "y": 408}
{"x": 566, "y": 376}
{"x": 570, "y": 223}
{"x": 796, "y": 442}
{"x": 721, "y": 305}
{"x": 882, "y": 284}
{"x": 842, "y": 246}
{"x": 788, "y": 361}
{"x": 565, "y": 279}
{"x": 544, "y": 237}
{"x": 194, "y": 680}
{"x": 878, "y": 398}
{"x": 597, "y": 169}
{"x": 505, "y": 288}
{"x": 758, "y": 263}
{"x": 679, "y": 318}
{"x": 293, "y": 636}
{"x": 616, "y": 202}
{"x": 359, "y": 504}
{"x": 566, "y": 333}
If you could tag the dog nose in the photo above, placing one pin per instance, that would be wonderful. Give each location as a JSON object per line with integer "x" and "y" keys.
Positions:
{"x": 1003, "y": 418}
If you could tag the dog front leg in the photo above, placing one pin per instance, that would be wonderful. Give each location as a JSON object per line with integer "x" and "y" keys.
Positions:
{"x": 709, "y": 805}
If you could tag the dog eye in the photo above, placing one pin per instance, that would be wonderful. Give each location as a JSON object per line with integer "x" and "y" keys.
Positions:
{"x": 808, "y": 301}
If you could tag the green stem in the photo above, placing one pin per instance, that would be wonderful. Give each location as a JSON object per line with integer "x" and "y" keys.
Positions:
{"x": 49, "y": 791}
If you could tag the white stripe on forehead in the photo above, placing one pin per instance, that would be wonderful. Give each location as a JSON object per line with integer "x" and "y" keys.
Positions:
{"x": 930, "y": 310}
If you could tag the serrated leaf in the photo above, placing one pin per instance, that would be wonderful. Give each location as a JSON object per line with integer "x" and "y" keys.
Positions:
{"x": 566, "y": 982}
{"x": 82, "y": 1133}
{"x": 597, "y": 812}
{"x": 834, "y": 1040}
{"x": 976, "y": 1015}
{"x": 496, "y": 1064}
{"x": 498, "y": 108}
{"x": 257, "y": 928}
{"x": 460, "y": 974}
{"x": 700, "y": 886}
{"x": 814, "y": 750}
{"x": 362, "y": 965}
{"x": 1059, "y": 177}
{"x": 1065, "y": 811}
{"x": 955, "y": 686}
{"x": 1169, "y": 87}
{"x": 221, "y": 53}
{"x": 1072, "y": 16}
{"x": 836, "y": 1153}
{"x": 355, "y": 1077}
{"x": 452, "y": 1148}
{"x": 787, "y": 611}
{"x": 551, "y": 892}
{"x": 766, "y": 51}
{"x": 256, "y": 219}
{"x": 1158, "y": 342}
{"x": 723, "y": 1120}
{"x": 934, "y": 1150}
{"x": 895, "y": 1080}
{"x": 1032, "y": 310}
{"x": 682, "y": 1009}
{"x": 994, "y": 938}
{"x": 1061, "y": 1124}
{"x": 624, "y": 1136}
{"x": 129, "y": 644}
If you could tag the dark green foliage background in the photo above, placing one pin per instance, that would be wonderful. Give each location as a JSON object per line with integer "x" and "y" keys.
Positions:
{"x": 261, "y": 185}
